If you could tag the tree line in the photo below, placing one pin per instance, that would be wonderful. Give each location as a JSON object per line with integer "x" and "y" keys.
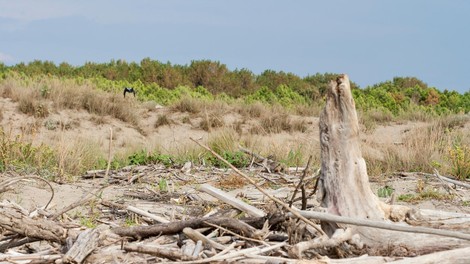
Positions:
{"x": 398, "y": 94}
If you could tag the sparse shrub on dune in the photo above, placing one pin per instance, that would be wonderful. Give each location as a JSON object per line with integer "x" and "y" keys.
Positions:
{"x": 211, "y": 121}
{"x": 187, "y": 104}
{"x": 162, "y": 120}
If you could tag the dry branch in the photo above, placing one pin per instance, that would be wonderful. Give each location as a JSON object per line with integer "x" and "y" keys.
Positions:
{"x": 159, "y": 251}
{"x": 176, "y": 227}
{"x": 233, "y": 201}
{"x": 136, "y": 210}
{"x": 383, "y": 225}
{"x": 196, "y": 236}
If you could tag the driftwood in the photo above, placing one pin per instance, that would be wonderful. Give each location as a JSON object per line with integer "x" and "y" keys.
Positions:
{"x": 267, "y": 163}
{"x": 276, "y": 200}
{"x": 344, "y": 184}
{"x": 229, "y": 199}
{"x": 85, "y": 244}
{"x": 18, "y": 222}
{"x": 176, "y": 227}
{"x": 136, "y": 210}
{"x": 196, "y": 236}
{"x": 159, "y": 251}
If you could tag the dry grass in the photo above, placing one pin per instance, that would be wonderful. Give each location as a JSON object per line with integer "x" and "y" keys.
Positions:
{"x": 423, "y": 149}
{"x": 162, "y": 120}
{"x": 277, "y": 123}
{"x": 370, "y": 119}
{"x": 211, "y": 121}
{"x": 34, "y": 98}
{"x": 187, "y": 105}
{"x": 255, "y": 110}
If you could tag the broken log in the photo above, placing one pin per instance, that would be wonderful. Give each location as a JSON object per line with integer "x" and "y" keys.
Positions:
{"x": 14, "y": 220}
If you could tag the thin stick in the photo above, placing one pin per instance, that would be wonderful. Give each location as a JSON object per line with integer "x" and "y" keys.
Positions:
{"x": 109, "y": 155}
{"x": 261, "y": 189}
{"x": 83, "y": 200}
{"x": 237, "y": 235}
{"x": 300, "y": 182}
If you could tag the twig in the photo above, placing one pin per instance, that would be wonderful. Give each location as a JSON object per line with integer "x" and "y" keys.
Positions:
{"x": 5, "y": 184}
{"x": 109, "y": 155}
{"x": 300, "y": 182}
{"x": 446, "y": 185}
{"x": 261, "y": 189}
{"x": 136, "y": 210}
{"x": 237, "y": 235}
{"x": 83, "y": 200}
{"x": 197, "y": 236}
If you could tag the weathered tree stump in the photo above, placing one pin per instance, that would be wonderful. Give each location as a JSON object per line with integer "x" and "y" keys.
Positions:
{"x": 344, "y": 187}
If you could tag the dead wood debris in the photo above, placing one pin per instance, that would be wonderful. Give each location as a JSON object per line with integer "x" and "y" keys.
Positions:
{"x": 156, "y": 222}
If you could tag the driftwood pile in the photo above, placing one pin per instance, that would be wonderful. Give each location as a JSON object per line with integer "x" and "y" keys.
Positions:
{"x": 193, "y": 223}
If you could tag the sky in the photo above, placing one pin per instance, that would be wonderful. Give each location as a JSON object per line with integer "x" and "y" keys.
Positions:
{"x": 371, "y": 41}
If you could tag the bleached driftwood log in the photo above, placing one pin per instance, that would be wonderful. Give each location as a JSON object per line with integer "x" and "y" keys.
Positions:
{"x": 344, "y": 187}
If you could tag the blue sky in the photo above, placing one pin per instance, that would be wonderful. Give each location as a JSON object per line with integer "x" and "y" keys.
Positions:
{"x": 370, "y": 40}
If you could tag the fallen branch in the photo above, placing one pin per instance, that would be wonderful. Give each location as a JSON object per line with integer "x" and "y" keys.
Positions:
{"x": 159, "y": 251}
{"x": 301, "y": 183}
{"x": 383, "y": 225}
{"x": 233, "y": 201}
{"x": 195, "y": 236}
{"x": 178, "y": 226}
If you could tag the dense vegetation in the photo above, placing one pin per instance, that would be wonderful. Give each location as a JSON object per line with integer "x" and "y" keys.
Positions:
{"x": 165, "y": 83}
{"x": 269, "y": 97}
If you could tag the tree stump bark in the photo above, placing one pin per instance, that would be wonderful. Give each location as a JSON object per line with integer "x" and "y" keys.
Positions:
{"x": 344, "y": 187}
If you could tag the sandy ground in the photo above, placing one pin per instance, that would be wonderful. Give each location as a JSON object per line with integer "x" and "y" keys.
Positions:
{"x": 80, "y": 127}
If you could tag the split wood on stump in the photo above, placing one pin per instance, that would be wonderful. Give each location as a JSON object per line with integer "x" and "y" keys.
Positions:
{"x": 344, "y": 187}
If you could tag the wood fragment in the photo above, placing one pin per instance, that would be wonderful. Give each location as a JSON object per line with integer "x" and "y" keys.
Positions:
{"x": 14, "y": 221}
{"x": 196, "y": 236}
{"x": 86, "y": 242}
{"x": 238, "y": 254}
{"x": 338, "y": 237}
{"x": 233, "y": 201}
{"x": 136, "y": 210}
{"x": 178, "y": 226}
{"x": 159, "y": 251}
{"x": 454, "y": 256}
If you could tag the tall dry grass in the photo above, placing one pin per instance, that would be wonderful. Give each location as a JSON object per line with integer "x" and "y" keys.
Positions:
{"x": 46, "y": 94}
{"x": 425, "y": 149}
